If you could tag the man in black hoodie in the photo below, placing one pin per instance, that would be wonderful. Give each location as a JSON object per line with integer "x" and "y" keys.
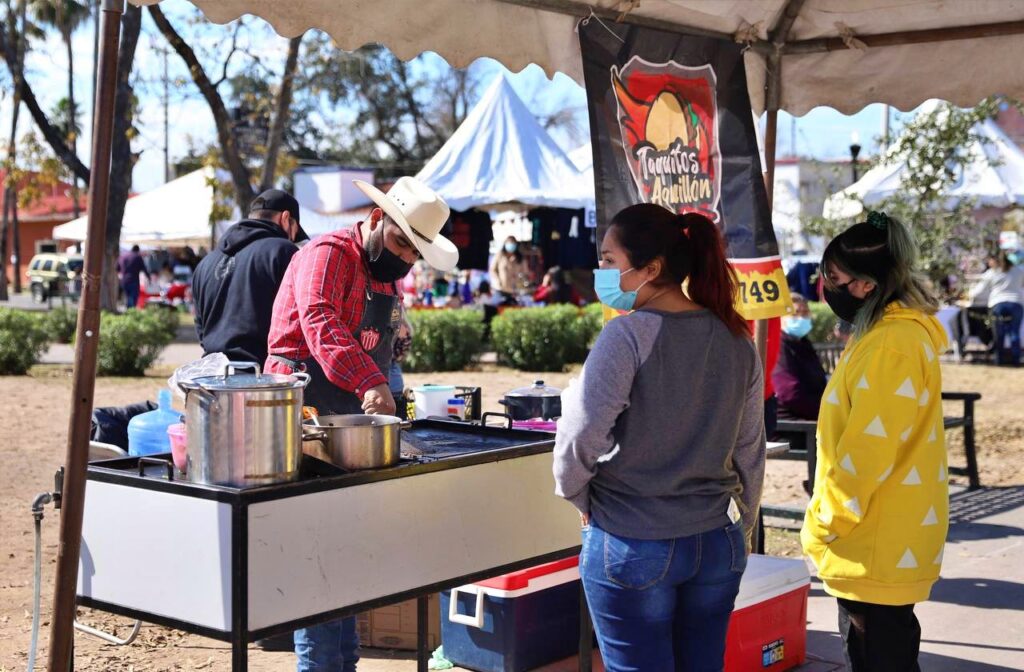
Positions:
{"x": 235, "y": 284}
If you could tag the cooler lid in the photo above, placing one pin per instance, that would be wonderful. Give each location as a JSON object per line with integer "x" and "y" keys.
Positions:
{"x": 521, "y": 579}
{"x": 768, "y": 576}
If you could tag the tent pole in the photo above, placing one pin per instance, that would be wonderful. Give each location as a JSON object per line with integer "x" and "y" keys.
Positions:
{"x": 84, "y": 382}
{"x": 770, "y": 135}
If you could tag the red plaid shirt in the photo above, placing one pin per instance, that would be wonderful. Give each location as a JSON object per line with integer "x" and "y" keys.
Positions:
{"x": 319, "y": 307}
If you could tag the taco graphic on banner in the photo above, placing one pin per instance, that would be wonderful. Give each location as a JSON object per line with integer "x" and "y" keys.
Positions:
{"x": 668, "y": 120}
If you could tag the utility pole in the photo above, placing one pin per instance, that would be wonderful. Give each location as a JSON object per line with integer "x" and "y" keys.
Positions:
{"x": 166, "y": 99}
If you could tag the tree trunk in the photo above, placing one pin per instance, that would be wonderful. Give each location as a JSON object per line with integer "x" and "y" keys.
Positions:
{"x": 15, "y": 57}
{"x": 15, "y": 245}
{"x": 284, "y": 103}
{"x": 122, "y": 160}
{"x": 240, "y": 177}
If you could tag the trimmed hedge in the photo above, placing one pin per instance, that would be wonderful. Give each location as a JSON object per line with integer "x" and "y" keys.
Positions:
{"x": 444, "y": 340}
{"x": 130, "y": 343}
{"x": 823, "y": 321}
{"x": 545, "y": 339}
{"x": 23, "y": 339}
{"x": 60, "y": 324}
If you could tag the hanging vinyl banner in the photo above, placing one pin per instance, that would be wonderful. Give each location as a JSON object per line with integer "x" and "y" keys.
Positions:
{"x": 670, "y": 124}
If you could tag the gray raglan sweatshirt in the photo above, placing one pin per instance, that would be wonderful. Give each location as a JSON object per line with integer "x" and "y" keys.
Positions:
{"x": 664, "y": 426}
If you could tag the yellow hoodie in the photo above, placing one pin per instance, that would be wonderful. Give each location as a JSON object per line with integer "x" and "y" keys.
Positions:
{"x": 876, "y": 524}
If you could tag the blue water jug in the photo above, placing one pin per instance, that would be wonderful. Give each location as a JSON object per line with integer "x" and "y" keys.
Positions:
{"x": 147, "y": 432}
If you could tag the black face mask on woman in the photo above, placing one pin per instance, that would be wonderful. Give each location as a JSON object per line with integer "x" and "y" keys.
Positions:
{"x": 842, "y": 302}
{"x": 385, "y": 265}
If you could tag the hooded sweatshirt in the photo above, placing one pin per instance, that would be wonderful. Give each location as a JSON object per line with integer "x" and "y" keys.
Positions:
{"x": 234, "y": 288}
{"x": 876, "y": 524}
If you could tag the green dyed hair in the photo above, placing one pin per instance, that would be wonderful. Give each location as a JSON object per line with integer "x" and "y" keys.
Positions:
{"x": 880, "y": 250}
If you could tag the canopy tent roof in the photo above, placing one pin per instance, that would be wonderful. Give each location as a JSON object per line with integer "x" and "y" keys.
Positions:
{"x": 501, "y": 154}
{"x": 178, "y": 213}
{"x": 841, "y": 53}
{"x": 992, "y": 178}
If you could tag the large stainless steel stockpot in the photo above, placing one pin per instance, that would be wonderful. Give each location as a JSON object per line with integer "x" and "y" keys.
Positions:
{"x": 244, "y": 427}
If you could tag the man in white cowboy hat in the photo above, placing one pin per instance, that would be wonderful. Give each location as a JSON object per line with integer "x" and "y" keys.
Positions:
{"x": 336, "y": 317}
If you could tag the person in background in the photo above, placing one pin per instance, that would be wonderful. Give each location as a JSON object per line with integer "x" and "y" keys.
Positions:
{"x": 798, "y": 376}
{"x": 129, "y": 267}
{"x": 508, "y": 270}
{"x": 554, "y": 289}
{"x": 1003, "y": 284}
{"x": 336, "y": 318}
{"x": 876, "y": 524}
{"x": 234, "y": 285}
{"x": 661, "y": 445}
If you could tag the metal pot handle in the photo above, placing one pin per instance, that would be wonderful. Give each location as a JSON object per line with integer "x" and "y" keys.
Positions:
{"x": 234, "y": 367}
{"x": 304, "y": 378}
{"x": 209, "y": 397}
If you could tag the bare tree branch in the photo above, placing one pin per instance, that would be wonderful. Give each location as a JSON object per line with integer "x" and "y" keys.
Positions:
{"x": 284, "y": 103}
{"x": 231, "y": 52}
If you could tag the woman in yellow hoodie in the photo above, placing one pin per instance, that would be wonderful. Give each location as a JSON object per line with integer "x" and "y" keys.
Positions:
{"x": 876, "y": 523}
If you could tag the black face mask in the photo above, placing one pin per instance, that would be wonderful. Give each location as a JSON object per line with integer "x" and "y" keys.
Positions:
{"x": 385, "y": 265}
{"x": 842, "y": 302}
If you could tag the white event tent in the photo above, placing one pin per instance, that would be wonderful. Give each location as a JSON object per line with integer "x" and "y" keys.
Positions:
{"x": 993, "y": 178}
{"x": 501, "y": 155}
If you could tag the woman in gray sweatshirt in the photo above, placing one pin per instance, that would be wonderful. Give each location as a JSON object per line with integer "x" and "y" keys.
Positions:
{"x": 661, "y": 445}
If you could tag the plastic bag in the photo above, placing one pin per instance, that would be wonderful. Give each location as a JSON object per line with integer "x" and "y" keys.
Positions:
{"x": 210, "y": 365}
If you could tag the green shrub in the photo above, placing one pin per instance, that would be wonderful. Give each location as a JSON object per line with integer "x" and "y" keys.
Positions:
{"x": 130, "y": 343}
{"x": 590, "y": 323}
{"x": 444, "y": 340}
{"x": 60, "y": 324}
{"x": 165, "y": 316}
{"x": 23, "y": 339}
{"x": 543, "y": 339}
{"x": 823, "y": 320}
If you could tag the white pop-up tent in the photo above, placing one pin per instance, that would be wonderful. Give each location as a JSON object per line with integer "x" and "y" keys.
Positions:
{"x": 992, "y": 178}
{"x": 175, "y": 213}
{"x": 502, "y": 155}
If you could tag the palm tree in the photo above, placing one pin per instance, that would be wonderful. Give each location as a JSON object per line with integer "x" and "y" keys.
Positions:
{"x": 66, "y": 16}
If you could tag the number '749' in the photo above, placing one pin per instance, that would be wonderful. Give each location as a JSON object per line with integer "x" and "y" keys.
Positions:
{"x": 759, "y": 292}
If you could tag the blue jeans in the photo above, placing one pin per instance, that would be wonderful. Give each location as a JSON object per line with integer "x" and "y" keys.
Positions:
{"x": 1008, "y": 318}
{"x": 131, "y": 296}
{"x": 662, "y": 604}
{"x": 328, "y": 647}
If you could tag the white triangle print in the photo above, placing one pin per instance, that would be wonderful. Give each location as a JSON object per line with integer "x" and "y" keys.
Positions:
{"x": 847, "y": 464}
{"x": 885, "y": 474}
{"x": 908, "y": 561}
{"x": 863, "y": 384}
{"x": 854, "y": 506}
{"x": 907, "y": 389}
{"x": 913, "y": 478}
{"x": 824, "y": 517}
{"x": 943, "y": 476}
{"x": 933, "y": 436}
{"x": 938, "y": 558}
{"x": 928, "y": 352}
{"x": 876, "y": 428}
{"x": 925, "y": 396}
{"x": 833, "y": 398}
{"x": 930, "y": 518}
{"x": 906, "y": 433}
{"x": 830, "y": 538}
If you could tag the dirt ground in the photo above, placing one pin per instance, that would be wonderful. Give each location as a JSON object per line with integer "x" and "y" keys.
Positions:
{"x": 32, "y": 442}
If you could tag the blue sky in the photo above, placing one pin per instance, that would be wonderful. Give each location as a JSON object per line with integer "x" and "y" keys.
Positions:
{"x": 822, "y": 133}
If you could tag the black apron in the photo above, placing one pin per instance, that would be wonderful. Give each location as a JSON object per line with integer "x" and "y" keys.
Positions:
{"x": 376, "y": 333}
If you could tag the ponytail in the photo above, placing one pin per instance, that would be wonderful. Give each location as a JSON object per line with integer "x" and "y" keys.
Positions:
{"x": 712, "y": 281}
{"x": 691, "y": 247}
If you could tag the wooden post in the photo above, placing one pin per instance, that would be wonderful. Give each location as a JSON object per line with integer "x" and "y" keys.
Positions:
{"x": 84, "y": 381}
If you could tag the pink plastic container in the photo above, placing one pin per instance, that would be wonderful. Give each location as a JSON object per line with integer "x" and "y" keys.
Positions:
{"x": 178, "y": 442}
{"x": 536, "y": 425}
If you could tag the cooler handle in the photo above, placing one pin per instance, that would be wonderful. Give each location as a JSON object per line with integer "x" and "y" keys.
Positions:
{"x": 454, "y": 616}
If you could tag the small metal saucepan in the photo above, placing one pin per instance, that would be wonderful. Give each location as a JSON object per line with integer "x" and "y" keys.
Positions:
{"x": 355, "y": 441}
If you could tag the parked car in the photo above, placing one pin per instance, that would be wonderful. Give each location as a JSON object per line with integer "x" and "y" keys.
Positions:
{"x": 50, "y": 273}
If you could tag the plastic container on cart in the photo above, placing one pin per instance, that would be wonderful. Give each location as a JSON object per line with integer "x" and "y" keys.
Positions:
{"x": 768, "y": 629}
{"x": 432, "y": 400}
{"x": 514, "y": 622}
{"x": 147, "y": 432}
{"x": 179, "y": 445}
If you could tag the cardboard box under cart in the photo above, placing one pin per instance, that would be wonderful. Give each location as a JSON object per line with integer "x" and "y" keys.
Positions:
{"x": 527, "y": 619}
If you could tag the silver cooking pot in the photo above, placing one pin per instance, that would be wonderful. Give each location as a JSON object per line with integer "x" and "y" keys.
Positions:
{"x": 244, "y": 427}
{"x": 355, "y": 441}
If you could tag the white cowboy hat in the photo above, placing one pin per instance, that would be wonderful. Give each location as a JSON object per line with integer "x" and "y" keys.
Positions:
{"x": 420, "y": 213}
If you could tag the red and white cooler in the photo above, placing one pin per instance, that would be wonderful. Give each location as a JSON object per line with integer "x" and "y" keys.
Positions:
{"x": 768, "y": 629}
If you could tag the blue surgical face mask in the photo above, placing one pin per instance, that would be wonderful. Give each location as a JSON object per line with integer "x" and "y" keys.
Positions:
{"x": 797, "y": 327}
{"x": 511, "y": 247}
{"x": 607, "y": 284}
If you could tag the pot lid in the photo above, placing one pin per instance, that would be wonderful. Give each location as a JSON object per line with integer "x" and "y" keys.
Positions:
{"x": 538, "y": 389}
{"x": 247, "y": 381}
